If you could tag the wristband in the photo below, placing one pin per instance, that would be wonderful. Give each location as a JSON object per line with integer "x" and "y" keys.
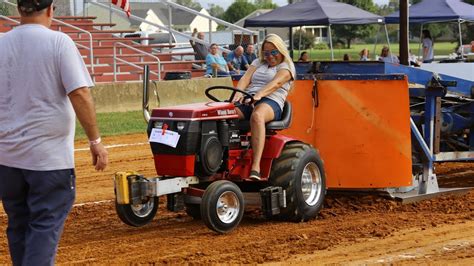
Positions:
{"x": 95, "y": 142}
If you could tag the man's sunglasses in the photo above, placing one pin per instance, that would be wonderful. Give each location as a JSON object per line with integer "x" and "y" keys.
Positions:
{"x": 272, "y": 53}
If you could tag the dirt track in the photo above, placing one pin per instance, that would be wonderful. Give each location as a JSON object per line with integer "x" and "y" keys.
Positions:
{"x": 351, "y": 229}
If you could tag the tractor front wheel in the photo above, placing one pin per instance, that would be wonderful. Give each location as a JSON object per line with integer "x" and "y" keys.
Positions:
{"x": 299, "y": 171}
{"x": 137, "y": 214}
{"x": 222, "y": 206}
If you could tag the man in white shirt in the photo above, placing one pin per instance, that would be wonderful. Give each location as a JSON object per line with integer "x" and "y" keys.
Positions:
{"x": 43, "y": 82}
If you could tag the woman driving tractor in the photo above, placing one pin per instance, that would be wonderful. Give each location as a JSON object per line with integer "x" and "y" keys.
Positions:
{"x": 269, "y": 79}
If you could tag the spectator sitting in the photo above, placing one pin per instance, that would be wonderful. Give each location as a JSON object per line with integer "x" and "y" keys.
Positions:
{"x": 237, "y": 62}
{"x": 386, "y": 56}
{"x": 303, "y": 57}
{"x": 250, "y": 53}
{"x": 225, "y": 53}
{"x": 364, "y": 54}
{"x": 413, "y": 60}
{"x": 346, "y": 57}
{"x": 200, "y": 49}
{"x": 216, "y": 65}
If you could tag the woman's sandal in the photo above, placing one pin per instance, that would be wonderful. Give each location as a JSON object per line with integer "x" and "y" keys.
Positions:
{"x": 255, "y": 175}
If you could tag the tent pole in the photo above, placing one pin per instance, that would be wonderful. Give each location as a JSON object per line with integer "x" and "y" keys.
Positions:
{"x": 376, "y": 41}
{"x": 330, "y": 43}
{"x": 388, "y": 42}
{"x": 290, "y": 29}
{"x": 460, "y": 39}
{"x": 420, "y": 52}
{"x": 299, "y": 44}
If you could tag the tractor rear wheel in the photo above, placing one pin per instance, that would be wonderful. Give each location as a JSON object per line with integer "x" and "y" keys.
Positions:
{"x": 137, "y": 214}
{"x": 222, "y": 206}
{"x": 299, "y": 171}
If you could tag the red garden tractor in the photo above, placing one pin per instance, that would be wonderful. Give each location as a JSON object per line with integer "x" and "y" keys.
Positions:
{"x": 202, "y": 156}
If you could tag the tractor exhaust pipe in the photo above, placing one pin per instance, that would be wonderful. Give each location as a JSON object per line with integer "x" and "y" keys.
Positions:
{"x": 145, "y": 105}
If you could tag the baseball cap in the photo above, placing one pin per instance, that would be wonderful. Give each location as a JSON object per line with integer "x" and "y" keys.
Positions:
{"x": 29, "y": 6}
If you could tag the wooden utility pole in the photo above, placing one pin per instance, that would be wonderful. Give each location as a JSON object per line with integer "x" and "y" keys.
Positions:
{"x": 404, "y": 32}
{"x": 290, "y": 31}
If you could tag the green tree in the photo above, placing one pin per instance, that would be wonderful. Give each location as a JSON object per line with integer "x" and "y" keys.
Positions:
{"x": 190, "y": 3}
{"x": 468, "y": 28}
{"x": 307, "y": 40}
{"x": 238, "y": 10}
{"x": 265, "y": 4}
{"x": 351, "y": 32}
{"x": 216, "y": 10}
{"x": 4, "y": 9}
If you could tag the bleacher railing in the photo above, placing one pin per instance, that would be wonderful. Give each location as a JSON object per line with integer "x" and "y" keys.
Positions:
{"x": 169, "y": 28}
{"x": 116, "y": 58}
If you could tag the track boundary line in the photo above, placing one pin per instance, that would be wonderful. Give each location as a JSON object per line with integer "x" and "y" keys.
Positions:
{"x": 91, "y": 203}
{"x": 115, "y": 146}
{"x": 78, "y": 205}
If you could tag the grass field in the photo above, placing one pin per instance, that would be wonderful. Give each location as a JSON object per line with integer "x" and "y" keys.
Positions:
{"x": 444, "y": 48}
{"x": 116, "y": 124}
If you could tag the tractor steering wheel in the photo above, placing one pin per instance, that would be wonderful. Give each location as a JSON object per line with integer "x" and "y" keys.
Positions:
{"x": 234, "y": 91}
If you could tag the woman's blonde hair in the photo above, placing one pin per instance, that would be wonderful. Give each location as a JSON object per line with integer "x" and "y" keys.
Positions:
{"x": 281, "y": 47}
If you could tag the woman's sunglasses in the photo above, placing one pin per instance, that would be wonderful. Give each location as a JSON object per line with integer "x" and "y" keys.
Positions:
{"x": 272, "y": 53}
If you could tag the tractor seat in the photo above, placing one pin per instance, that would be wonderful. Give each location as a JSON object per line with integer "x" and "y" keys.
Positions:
{"x": 281, "y": 124}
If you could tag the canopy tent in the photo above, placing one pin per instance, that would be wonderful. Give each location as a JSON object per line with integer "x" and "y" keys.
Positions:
{"x": 432, "y": 11}
{"x": 315, "y": 13}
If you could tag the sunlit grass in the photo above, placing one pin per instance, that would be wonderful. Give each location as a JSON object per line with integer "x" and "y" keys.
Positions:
{"x": 443, "y": 48}
{"x": 117, "y": 124}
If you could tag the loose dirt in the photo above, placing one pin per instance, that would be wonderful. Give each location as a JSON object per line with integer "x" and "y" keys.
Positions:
{"x": 351, "y": 229}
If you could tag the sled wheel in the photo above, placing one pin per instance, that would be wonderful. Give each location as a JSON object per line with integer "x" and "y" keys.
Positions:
{"x": 222, "y": 206}
{"x": 193, "y": 210}
{"x": 137, "y": 214}
{"x": 300, "y": 172}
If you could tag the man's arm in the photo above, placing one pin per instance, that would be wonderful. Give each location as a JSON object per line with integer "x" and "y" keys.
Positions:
{"x": 83, "y": 105}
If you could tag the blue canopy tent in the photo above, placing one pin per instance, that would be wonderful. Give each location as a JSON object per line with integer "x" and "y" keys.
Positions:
{"x": 433, "y": 11}
{"x": 315, "y": 13}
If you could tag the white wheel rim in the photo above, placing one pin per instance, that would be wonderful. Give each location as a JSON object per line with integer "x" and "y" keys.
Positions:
{"x": 228, "y": 207}
{"x": 143, "y": 210}
{"x": 311, "y": 183}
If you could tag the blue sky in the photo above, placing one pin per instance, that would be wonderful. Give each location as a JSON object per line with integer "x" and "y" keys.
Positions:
{"x": 225, "y": 4}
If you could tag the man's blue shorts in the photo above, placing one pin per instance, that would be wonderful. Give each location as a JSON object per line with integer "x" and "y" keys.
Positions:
{"x": 248, "y": 109}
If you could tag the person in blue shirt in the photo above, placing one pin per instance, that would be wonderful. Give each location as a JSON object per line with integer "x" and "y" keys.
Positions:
{"x": 216, "y": 64}
{"x": 250, "y": 53}
{"x": 237, "y": 62}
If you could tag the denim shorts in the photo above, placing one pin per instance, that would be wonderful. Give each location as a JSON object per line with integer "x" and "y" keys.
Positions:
{"x": 248, "y": 109}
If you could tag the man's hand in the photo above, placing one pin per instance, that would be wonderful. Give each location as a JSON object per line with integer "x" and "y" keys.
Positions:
{"x": 100, "y": 156}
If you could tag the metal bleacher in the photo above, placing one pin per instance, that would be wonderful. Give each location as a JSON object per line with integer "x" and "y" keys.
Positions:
{"x": 111, "y": 57}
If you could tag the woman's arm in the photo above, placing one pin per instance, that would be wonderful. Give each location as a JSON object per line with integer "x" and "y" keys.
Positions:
{"x": 244, "y": 82}
{"x": 245, "y": 79}
{"x": 281, "y": 77}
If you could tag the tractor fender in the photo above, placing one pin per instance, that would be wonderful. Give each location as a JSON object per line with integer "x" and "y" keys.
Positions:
{"x": 274, "y": 145}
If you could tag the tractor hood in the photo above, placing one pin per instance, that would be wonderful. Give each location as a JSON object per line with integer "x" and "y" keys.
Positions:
{"x": 196, "y": 111}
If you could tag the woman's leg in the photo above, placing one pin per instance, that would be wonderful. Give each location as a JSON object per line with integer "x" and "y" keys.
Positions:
{"x": 262, "y": 114}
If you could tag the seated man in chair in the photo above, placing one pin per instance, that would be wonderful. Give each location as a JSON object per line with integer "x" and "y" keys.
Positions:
{"x": 269, "y": 80}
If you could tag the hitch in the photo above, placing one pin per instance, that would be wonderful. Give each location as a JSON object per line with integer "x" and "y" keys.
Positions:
{"x": 273, "y": 198}
{"x": 132, "y": 188}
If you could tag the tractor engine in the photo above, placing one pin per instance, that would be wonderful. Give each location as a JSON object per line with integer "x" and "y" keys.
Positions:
{"x": 205, "y": 134}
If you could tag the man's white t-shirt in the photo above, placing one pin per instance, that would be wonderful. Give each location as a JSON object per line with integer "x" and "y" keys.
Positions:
{"x": 38, "y": 69}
